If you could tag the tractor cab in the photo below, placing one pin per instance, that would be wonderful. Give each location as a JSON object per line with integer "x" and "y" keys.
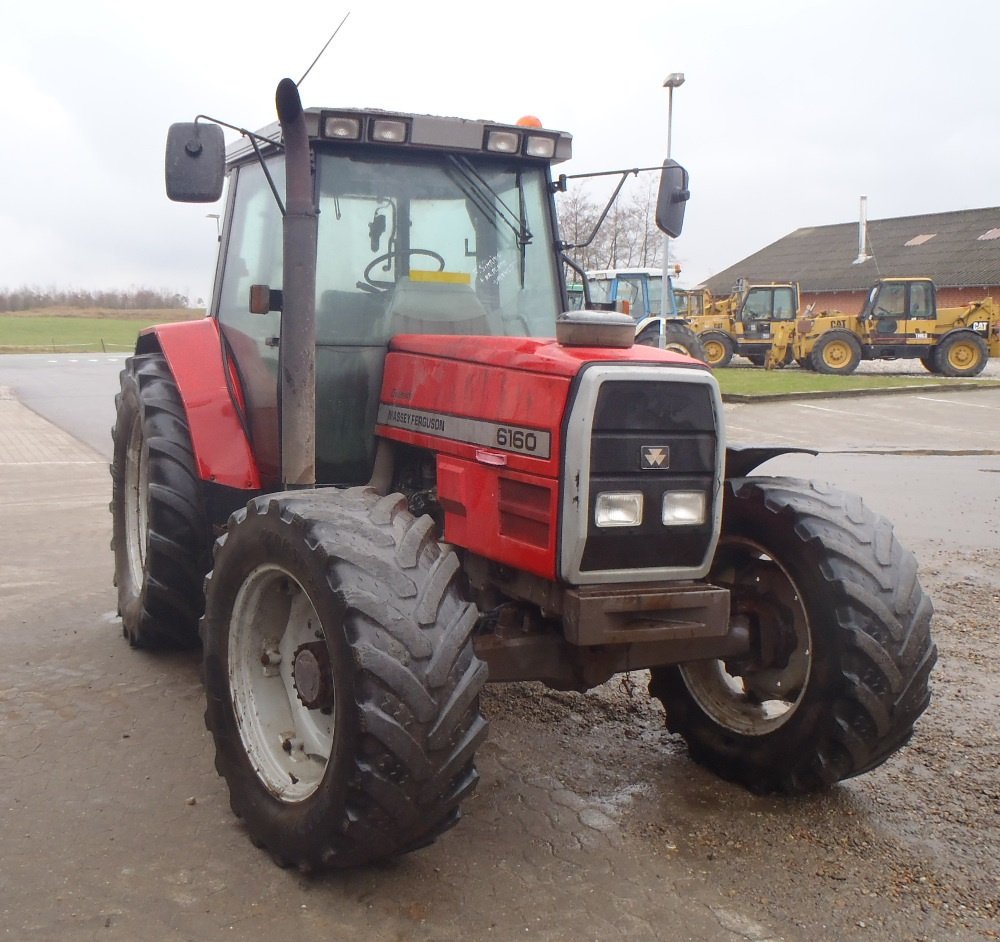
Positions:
{"x": 636, "y": 291}
{"x": 408, "y": 240}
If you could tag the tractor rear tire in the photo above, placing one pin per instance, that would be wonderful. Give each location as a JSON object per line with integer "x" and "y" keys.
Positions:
{"x": 929, "y": 361}
{"x": 162, "y": 539}
{"x": 841, "y": 649}
{"x": 677, "y": 337}
{"x": 343, "y": 689}
{"x": 963, "y": 354}
{"x": 836, "y": 353}
{"x": 718, "y": 348}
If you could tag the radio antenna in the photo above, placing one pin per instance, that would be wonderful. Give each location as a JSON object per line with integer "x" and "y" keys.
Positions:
{"x": 330, "y": 40}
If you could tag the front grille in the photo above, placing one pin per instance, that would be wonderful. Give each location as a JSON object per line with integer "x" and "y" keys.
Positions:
{"x": 651, "y": 431}
{"x": 676, "y": 421}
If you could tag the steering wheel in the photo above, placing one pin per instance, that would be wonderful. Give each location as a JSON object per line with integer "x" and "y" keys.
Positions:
{"x": 370, "y": 284}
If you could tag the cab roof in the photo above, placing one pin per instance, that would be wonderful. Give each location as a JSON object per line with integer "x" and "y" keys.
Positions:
{"x": 366, "y": 127}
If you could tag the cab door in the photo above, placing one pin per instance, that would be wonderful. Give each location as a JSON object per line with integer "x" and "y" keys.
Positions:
{"x": 764, "y": 305}
{"x": 902, "y": 315}
{"x": 889, "y": 313}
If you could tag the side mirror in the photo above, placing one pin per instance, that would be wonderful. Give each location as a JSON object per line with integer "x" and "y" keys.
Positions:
{"x": 196, "y": 162}
{"x": 672, "y": 198}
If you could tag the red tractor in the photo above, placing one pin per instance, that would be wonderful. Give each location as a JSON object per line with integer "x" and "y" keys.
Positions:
{"x": 390, "y": 467}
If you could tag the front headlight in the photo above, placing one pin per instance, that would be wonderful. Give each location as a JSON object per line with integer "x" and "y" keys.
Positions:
{"x": 684, "y": 508}
{"x": 622, "y": 509}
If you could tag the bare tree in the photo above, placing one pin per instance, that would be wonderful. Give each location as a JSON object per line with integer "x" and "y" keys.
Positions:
{"x": 628, "y": 237}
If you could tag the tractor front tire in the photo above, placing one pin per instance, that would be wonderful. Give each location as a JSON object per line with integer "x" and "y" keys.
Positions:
{"x": 841, "y": 649}
{"x": 677, "y": 337}
{"x": 963, "y": 354}
{"x": 162, "y": 539}
{"x": 342, "y": 685}
{"x": 836, "y": 353}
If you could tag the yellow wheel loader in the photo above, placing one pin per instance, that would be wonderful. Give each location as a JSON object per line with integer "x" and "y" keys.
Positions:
{"x": 900, "y": 320}
{"x": 745, "y": 323}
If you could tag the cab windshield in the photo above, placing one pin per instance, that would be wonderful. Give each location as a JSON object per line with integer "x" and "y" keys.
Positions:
{"x": 418, "y": 244}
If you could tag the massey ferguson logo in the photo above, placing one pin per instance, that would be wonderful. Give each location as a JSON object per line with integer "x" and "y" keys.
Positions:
{"x": 655, "y": 457}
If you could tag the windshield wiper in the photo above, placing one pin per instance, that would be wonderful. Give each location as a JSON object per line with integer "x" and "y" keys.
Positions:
{"x": 492, "y": 205}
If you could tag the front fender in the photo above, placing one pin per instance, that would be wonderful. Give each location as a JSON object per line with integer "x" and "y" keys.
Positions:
{"x": 213, "y": 404}
{"x": 742, "y": 459}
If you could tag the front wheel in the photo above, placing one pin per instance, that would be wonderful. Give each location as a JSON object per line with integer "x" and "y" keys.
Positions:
{"x": 343, "y": 690}
{"x": 719, "y": 348}
{"x": 677, "y": 337}
{"x": 841, "y": 651}
{"x": 836, "y": 353}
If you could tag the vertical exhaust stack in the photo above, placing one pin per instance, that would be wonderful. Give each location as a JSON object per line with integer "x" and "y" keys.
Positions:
{"x": 863, "y": 255}
{"x": 297, "y": 360}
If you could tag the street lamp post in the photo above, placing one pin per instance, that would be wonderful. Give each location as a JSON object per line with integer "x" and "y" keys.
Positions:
{"x": 672, "y": 81}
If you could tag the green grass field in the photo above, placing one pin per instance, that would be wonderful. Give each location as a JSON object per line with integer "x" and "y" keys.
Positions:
{"x": 760, "y": 382}
{"x": 80, "y": 333}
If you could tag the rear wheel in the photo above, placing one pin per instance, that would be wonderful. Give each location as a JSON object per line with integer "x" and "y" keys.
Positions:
{"x": 840, "y": 652}
{"x": 963, "y": 354}
{"x": 161, "y": 535}
{"x": 676, "y": 336}
{"x": 343, "y": 690}
{"x": 718, "y": 348}
{"x": 836, "y": 353}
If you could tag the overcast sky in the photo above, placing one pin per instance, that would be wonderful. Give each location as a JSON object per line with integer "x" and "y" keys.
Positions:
{"x": 790, "y": 112}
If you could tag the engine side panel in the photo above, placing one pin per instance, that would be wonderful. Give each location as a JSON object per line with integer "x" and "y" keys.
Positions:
{"x": 498, "y": 440}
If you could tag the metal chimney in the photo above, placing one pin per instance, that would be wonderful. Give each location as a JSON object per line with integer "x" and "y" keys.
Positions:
{"x": 863, "y": 255}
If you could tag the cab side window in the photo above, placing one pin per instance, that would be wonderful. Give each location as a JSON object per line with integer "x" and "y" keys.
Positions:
{"x": 921, "y": 301}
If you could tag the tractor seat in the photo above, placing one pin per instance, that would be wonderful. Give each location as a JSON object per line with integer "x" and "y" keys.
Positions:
{"x": 435, "y": 307}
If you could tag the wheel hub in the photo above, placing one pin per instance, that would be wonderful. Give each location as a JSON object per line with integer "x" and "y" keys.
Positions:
{"x": 836, "y": 354}
{"x": 311, "y": 674}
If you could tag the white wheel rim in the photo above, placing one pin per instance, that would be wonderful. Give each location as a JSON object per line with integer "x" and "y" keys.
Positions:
{"x": 288, "y": 744}
{"x": 136, "y": 501}
{"x": 759, "y": 702}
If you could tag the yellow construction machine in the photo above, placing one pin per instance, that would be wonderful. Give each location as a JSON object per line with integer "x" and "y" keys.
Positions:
{"x": 692, "y": 302}
{"x": 745, "y": 322}
{"x": 900, "y": 320}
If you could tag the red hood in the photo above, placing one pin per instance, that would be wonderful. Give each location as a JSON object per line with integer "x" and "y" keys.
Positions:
{"x": 531, "y": 353}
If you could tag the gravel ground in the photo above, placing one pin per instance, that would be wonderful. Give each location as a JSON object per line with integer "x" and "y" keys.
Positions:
{"x": 891, "y": 367}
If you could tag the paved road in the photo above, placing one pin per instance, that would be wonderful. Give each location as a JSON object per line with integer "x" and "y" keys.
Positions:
{"x": 590, "y": 822}
{"x": 76, "y": 393}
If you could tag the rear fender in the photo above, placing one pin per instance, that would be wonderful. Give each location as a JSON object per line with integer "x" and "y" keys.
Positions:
{"x": 194, "y": 353}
